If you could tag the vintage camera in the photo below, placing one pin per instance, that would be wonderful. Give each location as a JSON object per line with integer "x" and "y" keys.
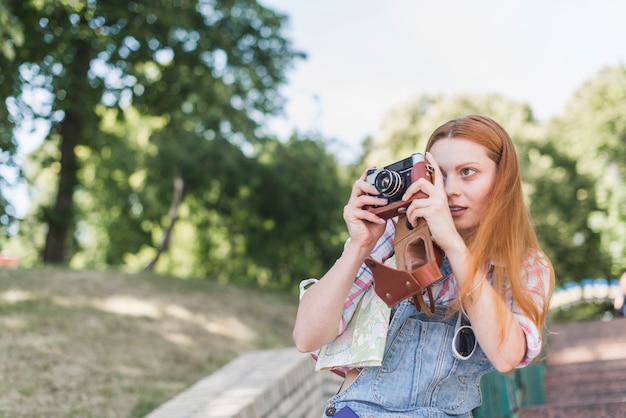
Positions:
{"x": 393, "y": 180}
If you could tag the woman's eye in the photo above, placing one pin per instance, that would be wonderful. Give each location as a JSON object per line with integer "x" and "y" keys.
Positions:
{"x": 467, "y": 172}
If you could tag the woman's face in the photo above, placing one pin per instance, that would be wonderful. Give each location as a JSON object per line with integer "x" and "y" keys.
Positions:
{"x": 468, "y": 177}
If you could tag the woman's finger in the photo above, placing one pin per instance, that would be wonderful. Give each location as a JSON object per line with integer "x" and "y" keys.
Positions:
{"x": 436, "y": 171}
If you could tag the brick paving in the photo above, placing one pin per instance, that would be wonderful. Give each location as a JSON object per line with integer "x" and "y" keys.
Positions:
{"x": 586, "y": 371}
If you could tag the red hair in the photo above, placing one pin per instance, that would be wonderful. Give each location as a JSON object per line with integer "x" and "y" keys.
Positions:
{"x": 505, "y": 234}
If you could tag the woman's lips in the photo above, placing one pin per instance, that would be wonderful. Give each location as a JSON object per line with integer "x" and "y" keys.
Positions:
{"x": 457, "y": 210}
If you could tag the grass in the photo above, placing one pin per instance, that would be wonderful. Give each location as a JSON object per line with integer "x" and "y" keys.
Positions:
{"x": 108, "y": 344}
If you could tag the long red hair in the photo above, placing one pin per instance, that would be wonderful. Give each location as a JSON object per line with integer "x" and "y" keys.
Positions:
{"x": 505, "y": 234}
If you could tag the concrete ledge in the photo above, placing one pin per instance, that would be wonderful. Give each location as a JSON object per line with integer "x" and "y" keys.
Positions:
{"x": 270, "y": 383}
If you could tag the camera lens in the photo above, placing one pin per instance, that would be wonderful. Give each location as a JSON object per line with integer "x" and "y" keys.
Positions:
{"x": 388, "y": 183}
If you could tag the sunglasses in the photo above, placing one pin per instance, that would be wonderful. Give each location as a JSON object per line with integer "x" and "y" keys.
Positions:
{"x": 464, "y": 341}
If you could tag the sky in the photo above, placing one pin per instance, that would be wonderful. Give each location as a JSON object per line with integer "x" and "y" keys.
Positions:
{"x": 365, "y": 57}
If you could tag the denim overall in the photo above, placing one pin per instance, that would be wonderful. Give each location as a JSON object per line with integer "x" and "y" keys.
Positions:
{"x": 419, "y": 376}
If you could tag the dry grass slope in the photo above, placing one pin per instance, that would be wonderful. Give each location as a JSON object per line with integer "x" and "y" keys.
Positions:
{"x": 108, "y": 344}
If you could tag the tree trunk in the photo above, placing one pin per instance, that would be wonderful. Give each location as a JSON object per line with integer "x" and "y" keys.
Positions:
{"x": 61, "y": 218}
{"x": 177, "y": 198}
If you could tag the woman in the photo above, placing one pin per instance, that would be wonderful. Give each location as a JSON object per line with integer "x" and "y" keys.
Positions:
{"x": 495, "y": 277}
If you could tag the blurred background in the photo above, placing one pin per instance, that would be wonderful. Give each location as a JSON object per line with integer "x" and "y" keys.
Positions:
{"x": 171, "y": 169}
{"x": 219, "y": 139}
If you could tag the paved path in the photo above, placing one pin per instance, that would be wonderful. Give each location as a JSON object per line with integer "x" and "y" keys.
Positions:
{"x": 586, "y": 371}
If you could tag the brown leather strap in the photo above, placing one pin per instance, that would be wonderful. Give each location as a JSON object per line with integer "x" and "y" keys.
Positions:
{"x": 418, "y": 301}
{"x": 393, "y": 285}
{"x": 417, "y": 259}
{"x": 427, "y": 274}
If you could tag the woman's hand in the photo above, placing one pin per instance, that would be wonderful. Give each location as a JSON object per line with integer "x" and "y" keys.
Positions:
{"x": 365, "y": 227}
{"x": 433, "y": 208}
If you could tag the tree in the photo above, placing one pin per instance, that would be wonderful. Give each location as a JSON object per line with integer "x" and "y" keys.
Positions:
{"x": 266, "y": 217}
{"x": 561, "y": 200}
{"x": 592, "y": 132}
{"x": 211, "y": 69}
{"x": 11, "y": 36}
{"x": 406, "y": 128}
{"x": 297, "y": 196}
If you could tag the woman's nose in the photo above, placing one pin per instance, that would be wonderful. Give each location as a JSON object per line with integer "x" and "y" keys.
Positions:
{"x": 451, "y": 186}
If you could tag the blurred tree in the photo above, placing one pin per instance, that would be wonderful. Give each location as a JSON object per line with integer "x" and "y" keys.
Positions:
{"x": 281, "y": 224}
{"x": 298, "y": 195}
{"x": 592, "y": 132}
{"x": 11, "y": 36}
{"x": 267, "y": 217}
{"x": 11, "y": 33}
{"x": 406, "y": 128}
{"x": 561, "y": 201}
{"x": 211, "y": 69}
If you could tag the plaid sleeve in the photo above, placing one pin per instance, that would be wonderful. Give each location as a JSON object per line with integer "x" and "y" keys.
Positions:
{"x": 536, "y": 273}
{"x": 383, "y": 250}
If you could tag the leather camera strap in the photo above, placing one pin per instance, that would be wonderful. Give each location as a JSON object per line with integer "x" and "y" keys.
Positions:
{"x": 393, "y": 285}
{"x": 417, "y": 259}
{"x": 418, "y": 301}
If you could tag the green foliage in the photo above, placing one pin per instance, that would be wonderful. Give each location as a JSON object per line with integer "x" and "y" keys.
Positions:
{"x": 276, "y": 220}
{"x": 11, "y": 35}
{"x": 592, "y": 132}
{"x": 269, "y": 218}
{"x": 157, "y": 151}
{"x": 297, "y": 198}
{"x": 113, "y": 178}
{"x": 561, "y": 201}
{"x": 212, "y": 69}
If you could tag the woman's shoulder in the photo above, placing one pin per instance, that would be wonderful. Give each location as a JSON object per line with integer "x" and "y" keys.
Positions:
{"x": 537, "y": 271}
{"x": 535, "y": 256}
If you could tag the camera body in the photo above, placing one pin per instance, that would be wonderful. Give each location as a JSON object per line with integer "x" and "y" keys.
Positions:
{"x": 393, "y": 180}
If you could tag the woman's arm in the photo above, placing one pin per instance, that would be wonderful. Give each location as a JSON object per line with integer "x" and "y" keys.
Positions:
{"x": 321, "y": 307}
{"x": 485, "y": 308}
